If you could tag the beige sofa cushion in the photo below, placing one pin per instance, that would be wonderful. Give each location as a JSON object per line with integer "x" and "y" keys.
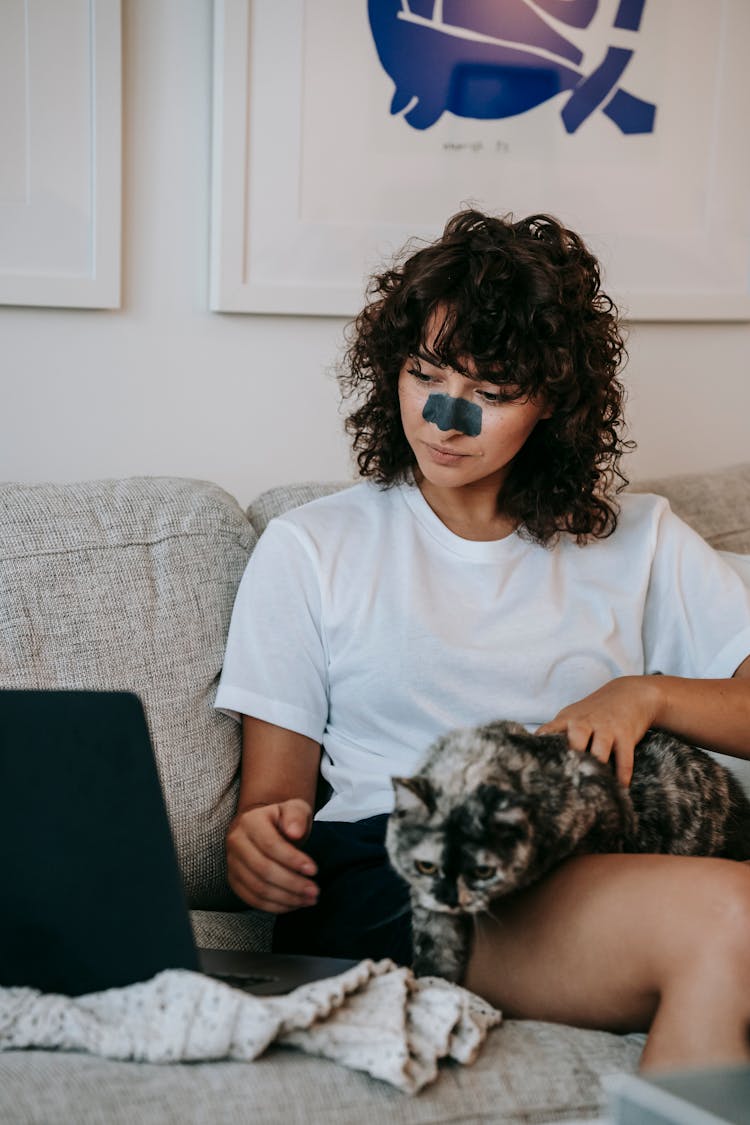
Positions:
{"x": 275, "y": 501}
{"x": 528, "y": 1073}
{"x": 129, "y": 585}
{"x": 715, "y": 504}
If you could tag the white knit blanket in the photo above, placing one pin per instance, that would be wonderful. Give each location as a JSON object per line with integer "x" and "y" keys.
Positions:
{"x": 374, "y": 1017}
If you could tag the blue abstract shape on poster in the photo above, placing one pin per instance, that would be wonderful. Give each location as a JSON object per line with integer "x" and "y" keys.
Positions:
{"x": 488, "y": 59}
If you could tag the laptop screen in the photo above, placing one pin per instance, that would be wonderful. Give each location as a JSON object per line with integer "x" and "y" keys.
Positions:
{"x": 89, "y": 883}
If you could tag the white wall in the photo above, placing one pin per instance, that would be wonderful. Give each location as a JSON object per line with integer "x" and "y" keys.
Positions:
{"x": 165, "y": 387}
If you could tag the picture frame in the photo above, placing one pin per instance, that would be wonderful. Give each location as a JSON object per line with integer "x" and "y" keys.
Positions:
{"x": 60, "y": 130}
{"x": 315, "y": 183}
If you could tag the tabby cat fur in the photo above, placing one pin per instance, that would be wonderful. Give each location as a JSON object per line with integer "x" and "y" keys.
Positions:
{"x": 493, "y": 808}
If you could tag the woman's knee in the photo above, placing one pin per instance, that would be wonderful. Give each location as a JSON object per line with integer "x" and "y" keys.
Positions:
{"x": 712, "y": 926}
{"x": 610, "y": 934}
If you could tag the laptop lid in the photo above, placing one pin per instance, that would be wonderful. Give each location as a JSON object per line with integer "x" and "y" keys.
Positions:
{"x": 89, "y": 882}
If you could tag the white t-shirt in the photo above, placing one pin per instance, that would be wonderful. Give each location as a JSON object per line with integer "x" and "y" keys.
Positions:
{"x": 364, "y": 623}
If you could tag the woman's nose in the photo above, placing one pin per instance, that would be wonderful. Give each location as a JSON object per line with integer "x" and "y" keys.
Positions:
{"x": 450, "y": 413}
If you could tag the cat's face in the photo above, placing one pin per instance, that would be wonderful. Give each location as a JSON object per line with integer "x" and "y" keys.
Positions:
{"x": 458, "y": 859}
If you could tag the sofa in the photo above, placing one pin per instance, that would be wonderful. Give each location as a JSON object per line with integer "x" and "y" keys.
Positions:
{"x": 129, "y": 584}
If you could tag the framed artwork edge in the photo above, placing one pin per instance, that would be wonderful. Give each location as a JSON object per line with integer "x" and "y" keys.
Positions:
{"x": 232, "y": 287}
{"x": 635, "y": 308}
{"x": 101, "y": 289}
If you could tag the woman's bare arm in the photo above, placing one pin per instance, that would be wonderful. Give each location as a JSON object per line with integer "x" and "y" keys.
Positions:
{"x": 274, "y": 812}
{"x": 714, "y": 714}
{"x": 276, "y": 764}
{"x": 710, "y": 713}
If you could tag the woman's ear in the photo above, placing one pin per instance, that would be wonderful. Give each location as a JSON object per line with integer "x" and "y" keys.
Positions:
{"x": 541, "y": 401}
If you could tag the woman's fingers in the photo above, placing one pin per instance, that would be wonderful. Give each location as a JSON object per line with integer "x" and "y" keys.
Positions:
{"x": 600, "y": 743}
{"x": 268, "y": 886}
{"x": 266, "y": 896}
{"x": 295, "y": 818}
{"x": 264, "y": 868}
{"x": 268, "y": 833}
{"x": 268, "y": 870}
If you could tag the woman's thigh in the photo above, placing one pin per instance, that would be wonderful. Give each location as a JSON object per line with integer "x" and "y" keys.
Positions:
{"x": 596, "y": 942}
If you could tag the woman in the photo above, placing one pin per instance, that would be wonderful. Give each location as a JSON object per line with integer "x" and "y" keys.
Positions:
{"x": 485, "y": 569}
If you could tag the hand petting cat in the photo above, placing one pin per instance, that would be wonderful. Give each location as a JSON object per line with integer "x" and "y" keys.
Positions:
{"x": 531, "y": 802}
{"x": 612, "y": 720}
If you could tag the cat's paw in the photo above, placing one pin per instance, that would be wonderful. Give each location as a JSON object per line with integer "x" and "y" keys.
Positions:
{"x": 441, "y": 946}
{"x": 440, "y": 967}
{"x": 432, "y": 961}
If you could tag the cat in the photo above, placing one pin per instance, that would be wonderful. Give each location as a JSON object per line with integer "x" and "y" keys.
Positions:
{"x": 493, "y": 808}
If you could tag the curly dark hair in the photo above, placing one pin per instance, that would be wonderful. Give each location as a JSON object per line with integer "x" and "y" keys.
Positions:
{"x": 519, "y": 303}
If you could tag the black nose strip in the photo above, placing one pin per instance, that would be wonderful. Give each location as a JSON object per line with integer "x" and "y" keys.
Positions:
{"x": 453, "y": 414}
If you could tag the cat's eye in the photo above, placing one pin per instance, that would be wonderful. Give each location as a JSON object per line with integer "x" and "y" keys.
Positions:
{"x": 424, "y": 867}
{"x": 482, "y": 872}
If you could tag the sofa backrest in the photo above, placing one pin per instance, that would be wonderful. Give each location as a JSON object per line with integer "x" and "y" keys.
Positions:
{"x": 275, "y": 501}
{"x": 129, "y": 585}
{"x": 716, "y": 504}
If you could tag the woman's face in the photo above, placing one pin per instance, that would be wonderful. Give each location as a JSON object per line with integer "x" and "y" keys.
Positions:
{"x": 462, "y": 431}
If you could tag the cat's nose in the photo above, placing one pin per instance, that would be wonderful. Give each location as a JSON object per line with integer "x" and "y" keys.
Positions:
{"x": 447, "y": 893}
{"x": 464, "y": 897}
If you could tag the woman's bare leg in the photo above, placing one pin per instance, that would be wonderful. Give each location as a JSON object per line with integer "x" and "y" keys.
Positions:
{"x": 625, "y": 943}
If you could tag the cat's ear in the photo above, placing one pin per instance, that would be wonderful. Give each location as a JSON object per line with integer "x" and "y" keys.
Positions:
{"x": 413, "y": 794}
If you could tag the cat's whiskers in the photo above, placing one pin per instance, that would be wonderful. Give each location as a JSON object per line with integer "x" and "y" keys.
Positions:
{"x": 400, "y": 913}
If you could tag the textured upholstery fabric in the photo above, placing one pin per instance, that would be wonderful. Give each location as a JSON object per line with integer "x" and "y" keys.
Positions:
{"x": 129, "y": 585}
{"x": 528, "y": 1073}
{"x": 274, "y": 501}
{"x": 220, "y": 929}
{"x": 715, "y": 504}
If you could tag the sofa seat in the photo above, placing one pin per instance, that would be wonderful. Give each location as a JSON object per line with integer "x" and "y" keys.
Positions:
{"x": 129, "y": 584}
{"x": 529, "y": 1073}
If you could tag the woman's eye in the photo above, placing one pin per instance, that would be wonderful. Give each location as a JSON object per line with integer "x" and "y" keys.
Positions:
{"x": 482, "y": 872}
{"x": 425, "y": 868}
{"x": 420, "y": 376}
{"x": 493, "y": 397}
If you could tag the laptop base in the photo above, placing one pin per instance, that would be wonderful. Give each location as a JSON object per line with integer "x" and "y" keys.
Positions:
{"x": 268, "y": 974}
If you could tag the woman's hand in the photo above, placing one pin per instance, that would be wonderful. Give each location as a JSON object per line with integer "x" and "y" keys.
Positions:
{"x": 612, "y": 720}
{"x": 264, "y": 867}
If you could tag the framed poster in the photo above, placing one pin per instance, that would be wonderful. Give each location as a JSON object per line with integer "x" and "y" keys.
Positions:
{"x": 60, "y": 173}
{"x": 343, "y": 128}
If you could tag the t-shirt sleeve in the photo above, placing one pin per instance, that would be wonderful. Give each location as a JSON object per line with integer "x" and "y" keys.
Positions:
{"x": 275, "y": 665}
{"x": 697, "y": 613}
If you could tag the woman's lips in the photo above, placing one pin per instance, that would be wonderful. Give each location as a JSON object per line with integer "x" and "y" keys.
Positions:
{"x": 443, "y": 456}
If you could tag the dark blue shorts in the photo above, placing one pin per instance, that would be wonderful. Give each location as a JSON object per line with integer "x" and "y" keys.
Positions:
{"x": 363, "y": 906}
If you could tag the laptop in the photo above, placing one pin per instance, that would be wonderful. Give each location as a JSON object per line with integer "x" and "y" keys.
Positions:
{"x": 700, "y": 1096}
{"x": 90, "y": 887}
